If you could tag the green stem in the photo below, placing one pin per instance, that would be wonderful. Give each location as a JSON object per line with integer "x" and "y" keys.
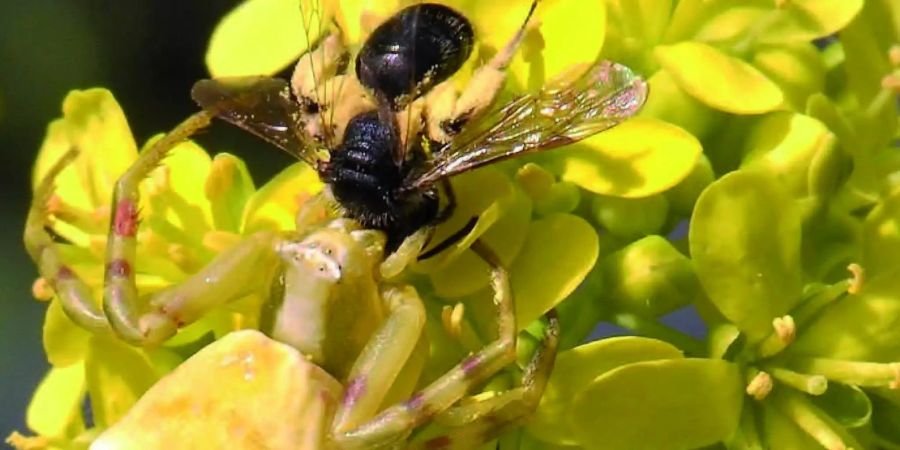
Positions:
{"x": 818, "y": 301}
{"x": 649, "y": 328}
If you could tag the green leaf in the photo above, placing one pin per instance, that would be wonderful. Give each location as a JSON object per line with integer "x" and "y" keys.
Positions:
{"x": 719, "y": 80}
{"x": 117, "y": 375}
{"x": 544, "y": 274}
{"x": 64, "y": 342}
{"x": 577, "y": 368}
{"x": 261, "y": 37}
{"x": 688, "y": 402}
{"x": 638, "y": 158}
{"x": 861, "y": 327}
{"x": 650, "y": 277}
{"x": 745, "y": 242}
{"x": 56, "y": 405}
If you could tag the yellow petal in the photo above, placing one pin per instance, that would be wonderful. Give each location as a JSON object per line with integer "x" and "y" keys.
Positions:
{"x": 94, "y": 124}
{"x": 264, "y": 36}
{"x": 56, "y": 405}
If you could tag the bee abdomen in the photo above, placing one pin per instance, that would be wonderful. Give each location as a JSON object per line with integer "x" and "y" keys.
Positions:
{"x": 415, "y": 49}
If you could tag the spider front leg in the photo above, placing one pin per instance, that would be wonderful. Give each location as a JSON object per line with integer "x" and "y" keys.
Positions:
{"x": 448, "y": 112}
{"x": 400, "y": 420}
{"x": 120, "y": 296}
{"x": 74, "y": 295}
{"x": 242, "y": 269}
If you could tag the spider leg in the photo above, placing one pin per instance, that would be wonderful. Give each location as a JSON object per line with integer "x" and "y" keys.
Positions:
{"x": 74, "y": 295}
{"x": 375, "y": 370}
{"x": 448, "y": 112}
{"x": 482, "y": 420}
{"x": 120, "y": 297}
{"x": 399, "y": 420}
{"x": 244, "y": 268}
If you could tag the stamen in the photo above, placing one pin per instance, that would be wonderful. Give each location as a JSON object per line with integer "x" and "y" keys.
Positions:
{"x": 785, "y": 329}
{"x": 219, "y": 241}
{"x": 862, "y": 374}
{"x": 41, "y": 289}
{"x": 894, "y": 55}
{"x": 760, "y": 386}
{"x": 452, "y": 317}
{"x": 221, "y": 177}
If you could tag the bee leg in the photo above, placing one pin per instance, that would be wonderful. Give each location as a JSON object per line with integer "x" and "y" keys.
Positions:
{"x": 447, "y": 113}
{"x": 74, "y": 295}
{"x": 406, "y": 254}
{"x": 473, "y": 424}
{"x": 120, "y": 297}
{"x": 399, "y": 420}
{"x": 233, "y": 273}
{"x": 378, "y": 366}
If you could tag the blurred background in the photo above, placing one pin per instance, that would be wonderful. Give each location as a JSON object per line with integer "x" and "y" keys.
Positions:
{"x": 149, "y": 53}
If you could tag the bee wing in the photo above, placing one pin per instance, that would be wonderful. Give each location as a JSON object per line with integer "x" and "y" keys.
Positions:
{"x": 261, "y": 105}
{"x": 565, "y": 111}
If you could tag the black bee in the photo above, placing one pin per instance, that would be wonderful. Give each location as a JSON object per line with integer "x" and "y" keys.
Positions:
{"x": 377, "y": 167}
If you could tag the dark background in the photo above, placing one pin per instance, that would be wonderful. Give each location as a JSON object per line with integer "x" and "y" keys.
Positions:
{"x": 149, "y": 53}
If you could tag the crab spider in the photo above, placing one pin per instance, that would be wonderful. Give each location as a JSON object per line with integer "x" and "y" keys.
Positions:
{"x": 327, "y": 275}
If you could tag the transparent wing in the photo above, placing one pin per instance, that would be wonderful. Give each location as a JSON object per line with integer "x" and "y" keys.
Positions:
{"x": 564, "y": 112}
{"x": 262, "y": 106}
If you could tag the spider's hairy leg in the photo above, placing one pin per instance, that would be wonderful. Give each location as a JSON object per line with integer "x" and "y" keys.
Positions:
{"x": 387, "y": 352}
{"x": 447, "y": 112}
{"x": 399, "y": 420}
{"x": 74, "y": 295}
{"x": 244, "y": 268}
{"x": 120, "y": 296}
{"x": 472, "y": 424}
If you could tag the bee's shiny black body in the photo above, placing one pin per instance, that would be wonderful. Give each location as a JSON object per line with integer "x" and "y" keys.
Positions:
{"x": 368, "y": 183}
{"x": 412, "y": 51}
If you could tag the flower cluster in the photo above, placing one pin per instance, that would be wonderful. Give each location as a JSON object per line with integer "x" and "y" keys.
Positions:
{"x": 770, "y": 132}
